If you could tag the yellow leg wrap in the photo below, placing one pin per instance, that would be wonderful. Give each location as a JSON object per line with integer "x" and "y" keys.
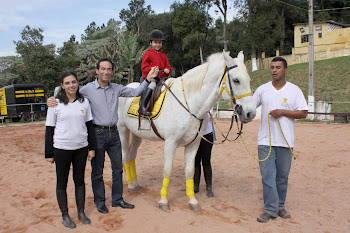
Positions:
{"x": 189, "y": 188}
{"x": 127, "y": 171}
{"x": 133, "y": 169}
{"x": 164, "y": 191}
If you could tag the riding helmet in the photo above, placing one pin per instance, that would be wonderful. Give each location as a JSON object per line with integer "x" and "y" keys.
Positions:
{"x": 156, "y": 35}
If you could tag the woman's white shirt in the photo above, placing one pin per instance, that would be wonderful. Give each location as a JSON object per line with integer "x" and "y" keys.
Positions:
{"x": 69, "y": 122}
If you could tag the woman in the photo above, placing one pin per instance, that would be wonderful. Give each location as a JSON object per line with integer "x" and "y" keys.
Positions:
{"x": 204, "y": 155}
{"x": 69, "y": 139}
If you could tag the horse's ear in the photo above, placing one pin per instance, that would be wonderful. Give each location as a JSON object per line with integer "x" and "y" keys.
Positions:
{"x": 228, "y": 58}
{"x": 240, "y": 56}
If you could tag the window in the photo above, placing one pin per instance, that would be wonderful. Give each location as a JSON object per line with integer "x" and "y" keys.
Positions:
{"x": 304, "y": 38}
{"x": 320, "y": 35}
{"x": 318, "y": 28}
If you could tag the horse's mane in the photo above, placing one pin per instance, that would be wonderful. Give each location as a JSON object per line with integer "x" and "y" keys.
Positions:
{"x": 193, "y": 78}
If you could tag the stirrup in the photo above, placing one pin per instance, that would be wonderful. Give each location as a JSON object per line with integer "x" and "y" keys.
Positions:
{"x": 147, "y": 124}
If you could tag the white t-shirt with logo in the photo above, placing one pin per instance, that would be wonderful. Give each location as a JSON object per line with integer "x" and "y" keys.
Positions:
{"x": 289, "y": 97}
{"x": 69, "y": 122}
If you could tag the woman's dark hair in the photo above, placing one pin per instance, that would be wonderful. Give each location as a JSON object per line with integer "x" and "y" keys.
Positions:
{"x": 61, "y": 95}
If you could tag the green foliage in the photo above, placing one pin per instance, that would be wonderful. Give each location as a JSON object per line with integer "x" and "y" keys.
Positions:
{"x": 339, "y": 15}
{"x": 190, "y": 36}
{"x": 7, "y": 76}
{"x": 39, "y": 61}
{"x": 331, "y": 81}
{"x": 99, "y": 38}
{"x": 104, "y": 42}
{"x": 91, "y": 29}
{"x": 68, "y": 58}
{"x": 134, "y": 16}
{"x": 130, "y": 55}
{"x": 190, "y": 26}
{"x": 222, "y": 7}
{"x": 268, "y": 25}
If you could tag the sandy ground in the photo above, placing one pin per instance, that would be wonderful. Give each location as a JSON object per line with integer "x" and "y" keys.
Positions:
{"x": 318, "y": 197}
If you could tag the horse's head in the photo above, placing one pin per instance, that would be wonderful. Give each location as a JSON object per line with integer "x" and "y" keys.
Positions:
{"x": 235, "y": 88}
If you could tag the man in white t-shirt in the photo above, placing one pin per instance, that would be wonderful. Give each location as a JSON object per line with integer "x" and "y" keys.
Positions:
{"x": 286, "y": 102}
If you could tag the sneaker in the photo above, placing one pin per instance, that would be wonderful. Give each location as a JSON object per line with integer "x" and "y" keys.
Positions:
{"x": 283, "y": 214}
{"x": 265, "y": 217}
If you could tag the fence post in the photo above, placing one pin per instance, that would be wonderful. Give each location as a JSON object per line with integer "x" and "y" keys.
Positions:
{"x": 32, "y": 112}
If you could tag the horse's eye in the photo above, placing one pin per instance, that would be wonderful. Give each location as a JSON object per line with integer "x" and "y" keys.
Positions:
{"x": 236, "y": 80}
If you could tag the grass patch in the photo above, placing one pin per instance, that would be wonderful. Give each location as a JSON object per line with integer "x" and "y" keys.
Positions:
{"x": 308, "y": 120}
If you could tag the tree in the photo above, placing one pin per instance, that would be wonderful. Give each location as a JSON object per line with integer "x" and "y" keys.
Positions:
{"x": 130, "y": 54}
{"x": 222, "y": 7}
{"x": 257, "y": 33}
{"x": 134, "y": 16}
{"x": 235, "y": 30}
{"x": 190, "y": 25}
{"x": 91, "y": 29}
{"x": 271, "y": 22}
{"x": 104, "y": 42}
{"x": 286, "y": 17}
{"x": 8, "y": 67}
{"x": 68, "y": 58}
{"x": 39, "y": 62}
{"x": 339, "y": 13}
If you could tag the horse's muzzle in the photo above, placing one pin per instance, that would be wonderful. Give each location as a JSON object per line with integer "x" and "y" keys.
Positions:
{"x": 246, "y": 116}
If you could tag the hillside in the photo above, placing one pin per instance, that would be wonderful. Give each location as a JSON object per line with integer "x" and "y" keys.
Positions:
{"x": 331, "y": 80}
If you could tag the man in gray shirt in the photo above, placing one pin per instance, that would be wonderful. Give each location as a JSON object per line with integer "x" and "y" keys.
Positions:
{"x": 103, "y": 97}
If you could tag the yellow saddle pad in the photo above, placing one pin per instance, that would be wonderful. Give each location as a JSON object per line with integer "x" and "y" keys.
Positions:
{"x": 157, "y": 108}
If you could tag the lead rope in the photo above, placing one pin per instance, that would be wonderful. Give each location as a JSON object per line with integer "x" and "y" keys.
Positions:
{"x": 262, "y": 160}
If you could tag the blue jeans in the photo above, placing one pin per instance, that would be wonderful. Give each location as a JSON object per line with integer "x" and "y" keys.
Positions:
{"x": 274, "y": 172}
{"x": 107, "y": 141}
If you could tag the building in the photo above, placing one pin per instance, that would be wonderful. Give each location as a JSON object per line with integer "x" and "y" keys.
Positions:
{"x": 331, "y": 39}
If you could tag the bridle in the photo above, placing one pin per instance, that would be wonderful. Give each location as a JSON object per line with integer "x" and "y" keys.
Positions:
{"x": 238, "y": 108}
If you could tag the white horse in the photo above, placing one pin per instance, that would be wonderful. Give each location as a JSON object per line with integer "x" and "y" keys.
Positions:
{"x": 203, "y": 86}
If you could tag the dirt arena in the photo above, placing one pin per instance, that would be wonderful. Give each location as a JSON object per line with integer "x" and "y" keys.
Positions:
{"x": 318, "y": 197}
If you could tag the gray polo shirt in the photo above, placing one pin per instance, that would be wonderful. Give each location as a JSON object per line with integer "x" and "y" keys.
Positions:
{"x": 104, "y": 101}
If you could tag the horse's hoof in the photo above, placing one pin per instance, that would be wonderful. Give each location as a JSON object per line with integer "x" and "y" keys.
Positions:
{"x": 134, "y": 188}
{"x": 195, "y": 207}
{"x": 164, "y": 207}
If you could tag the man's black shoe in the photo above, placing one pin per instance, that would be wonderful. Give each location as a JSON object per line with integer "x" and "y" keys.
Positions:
{"x": 123, "y": 204}
{"x": 102, "y": 209}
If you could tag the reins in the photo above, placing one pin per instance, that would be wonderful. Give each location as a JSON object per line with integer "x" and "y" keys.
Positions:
{"x": 151, "y": 121}
{"x": 238, "y": 107}
{"x": 237, "y": 110}
{"x": 188, "y": 110}
{"x": 182, "y": 105}
{"x": 234, "y": 116}
{"x": 262, "y": 160}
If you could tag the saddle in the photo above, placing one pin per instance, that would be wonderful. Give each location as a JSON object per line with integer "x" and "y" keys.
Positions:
{"x": 157, "y": 101}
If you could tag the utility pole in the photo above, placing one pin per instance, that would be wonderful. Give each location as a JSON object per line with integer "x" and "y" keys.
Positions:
{"x": 311, "y": 98}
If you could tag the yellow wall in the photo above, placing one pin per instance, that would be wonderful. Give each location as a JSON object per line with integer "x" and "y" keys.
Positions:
{"x": 335, "y": 43}
{"x": 337, "y": 39}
